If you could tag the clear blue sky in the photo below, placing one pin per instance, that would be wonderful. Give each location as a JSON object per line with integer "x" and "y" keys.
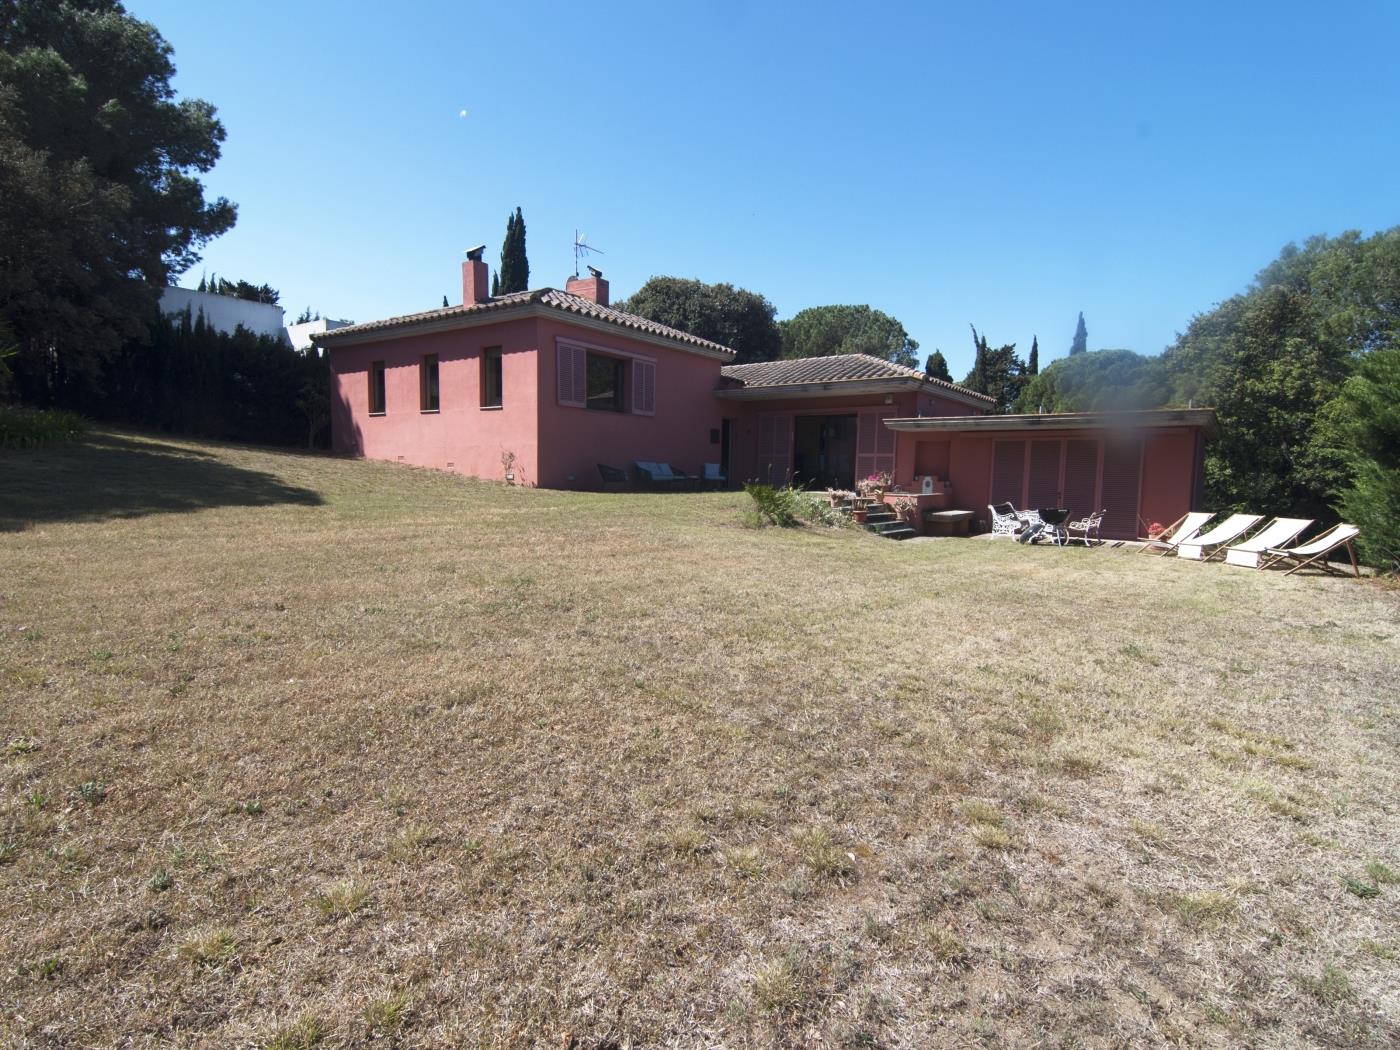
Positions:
{"x": 1006, "y": 165}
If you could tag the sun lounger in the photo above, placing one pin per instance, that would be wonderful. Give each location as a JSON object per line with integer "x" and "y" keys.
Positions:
{"x": 1278, "y": 533}
{"x": 1315, "y": 551}
{"x": 1203, "y": 546}
{"x": 1184, "y": 528}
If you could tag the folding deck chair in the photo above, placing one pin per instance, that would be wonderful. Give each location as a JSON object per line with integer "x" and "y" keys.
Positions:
{"x": 1277, "y": 533}
{"x": 1204, "y": 546}
{"x": 1315, "y": 551}
{"x": 1178, "y": 532}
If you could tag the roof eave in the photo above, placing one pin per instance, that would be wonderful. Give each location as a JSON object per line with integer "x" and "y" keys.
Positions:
{"x": 837, "y": 387}
{"x": 1158, "y": 418}
{"x": 513, "y": 311}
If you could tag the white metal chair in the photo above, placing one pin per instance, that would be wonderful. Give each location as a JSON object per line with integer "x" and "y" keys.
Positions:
{"x": 1007, "y": 520}
{"x": 1086, "y": 529}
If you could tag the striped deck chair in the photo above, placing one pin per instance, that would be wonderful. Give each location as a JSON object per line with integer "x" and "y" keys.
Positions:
{"x": 1178, "y": 532}
{"x": 1315, "y": 551}
{"x": 1278, "y": 533}
{"x": 1204, "y": 546}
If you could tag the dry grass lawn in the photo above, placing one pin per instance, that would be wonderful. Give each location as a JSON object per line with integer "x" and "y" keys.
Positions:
{"x": 310, "y": 752}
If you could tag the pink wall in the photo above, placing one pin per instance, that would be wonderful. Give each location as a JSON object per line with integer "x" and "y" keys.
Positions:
{"x": 555, "y": 445}
{"x": 462, "y": 436}
{"x": 573, "y": 441}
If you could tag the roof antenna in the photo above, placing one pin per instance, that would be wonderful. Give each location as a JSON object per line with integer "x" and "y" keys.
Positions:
{"x": 581, "y": 250}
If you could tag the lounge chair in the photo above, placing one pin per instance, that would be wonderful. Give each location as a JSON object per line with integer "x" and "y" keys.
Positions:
{"x": 1315, "y": 551}
{"x": 661, "y": 474}
{"x": 1202, "y": 547}
{"x": 614, "y": 478}
{"x": 1184, "y": 528}
{"x": 1008, "y": 521}
{"x": 1278, "y": 533}
{"x": 712, "y": 474}
{"x": 1086, "y": 529}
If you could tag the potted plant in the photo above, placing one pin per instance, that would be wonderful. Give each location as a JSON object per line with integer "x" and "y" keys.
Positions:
{"x": 904, "y": 507}
{"x": 860, "y": 512}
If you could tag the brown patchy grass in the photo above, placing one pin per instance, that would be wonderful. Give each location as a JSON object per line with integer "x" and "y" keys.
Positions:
{"x": 300, "y": 751}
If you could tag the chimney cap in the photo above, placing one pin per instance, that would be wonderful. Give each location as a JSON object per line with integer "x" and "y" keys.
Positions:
{"x": 594, "y": 271}
{"x": 474, "y": 254}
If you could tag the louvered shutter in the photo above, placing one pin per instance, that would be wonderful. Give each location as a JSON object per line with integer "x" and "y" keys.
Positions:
{"x": 774, "y": 448}
{"x": 572, "y": 370}
{"x": 643, "y": 388}
{"x": 874, "y": 443}
{"x": 1043, "y": 487}
{"x": 1122, "y": 472}
{"x": 1081, "y": 477}
{"x": 1008, "y": 470}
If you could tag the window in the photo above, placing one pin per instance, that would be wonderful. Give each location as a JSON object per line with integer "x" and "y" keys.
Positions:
{"x": 428, "y": 384}
{"x": 491, "y": 385}
{"x": 376, "y": 388}
{"x": 606, "y": 383}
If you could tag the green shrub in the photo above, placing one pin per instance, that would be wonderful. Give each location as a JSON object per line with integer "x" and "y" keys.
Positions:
{"x": 35, "y": 428}
{"x": 788, "y": 507}
{"x": 1369, "y": 415}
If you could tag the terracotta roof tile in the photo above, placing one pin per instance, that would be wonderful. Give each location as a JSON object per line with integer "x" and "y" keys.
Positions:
{"x": 548, "y": 297}
{"x": 838, "y": 368}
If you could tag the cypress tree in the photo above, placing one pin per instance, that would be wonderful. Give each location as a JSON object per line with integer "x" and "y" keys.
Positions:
{"x": 515, "y": 267}
{"x": 444, "y": 302}
{"x": 1081, "y": 337}
{"x": 495, "y": 284}
{"x": 936, "y": 367}
{"x": 1033, "y": 365}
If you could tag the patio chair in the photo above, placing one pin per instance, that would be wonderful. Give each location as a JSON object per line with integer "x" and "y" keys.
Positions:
{"x": 712, "y": 474}
{"x": 614, "y": 479}
{"x": 661, "y": 474}
{"x": 1315, "y": 551}
{"x": 1184, "y": 528}
{"x": 1202, "y": 547}
{"x": 1008, "y": 521}
{"x": 1086, "y": 529}
{"x": 1278, "y": 533}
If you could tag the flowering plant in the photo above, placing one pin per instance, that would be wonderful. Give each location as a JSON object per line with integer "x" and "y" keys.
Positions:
{"x": 905, "y": 506}
{"x": 874, "y": 485}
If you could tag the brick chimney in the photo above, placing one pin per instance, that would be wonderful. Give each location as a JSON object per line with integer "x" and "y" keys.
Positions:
{"x": 592, "y": 287}
{"x": 476, "y": 284}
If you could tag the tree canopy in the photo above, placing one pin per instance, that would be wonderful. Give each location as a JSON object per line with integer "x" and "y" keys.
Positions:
{"x": 1102, "y": 379}
{"x": 936, "y": 367}
{"x": 735, "y": 317}
{"x": 819, "y": 331}
{"x": 997, "y": 372}
{"x": 100, "y": 200}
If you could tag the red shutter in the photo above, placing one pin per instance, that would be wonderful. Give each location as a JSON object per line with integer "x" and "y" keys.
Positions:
{"x": 774, "y": 448}
{"x": 572, "y": 373}
{"x": 1044, "y": 486}
{"x": 1081, "y": 477}
{"x": 1122, "y": 473}
{"x": 643, "y": 388}
{"x": 1008, "y": 468}
{"x": 874, "y": 443}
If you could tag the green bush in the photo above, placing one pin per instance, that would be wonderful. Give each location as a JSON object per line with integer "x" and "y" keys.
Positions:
{"x": 789, "y": 507}
{"x": 36, "y": 428}
{"x": 1368, "y": 412}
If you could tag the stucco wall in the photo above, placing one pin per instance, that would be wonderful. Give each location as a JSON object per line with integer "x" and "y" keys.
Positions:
{"x": 461, "y": 436}
{"x": 573, "y": 441}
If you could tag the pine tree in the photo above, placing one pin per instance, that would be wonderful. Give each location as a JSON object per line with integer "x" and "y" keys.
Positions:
{"x": 1081, "y": 337}
{"x": 1033, "y": 365}
{"x": 936, "y": 367}
{"x": 515, "y": 267}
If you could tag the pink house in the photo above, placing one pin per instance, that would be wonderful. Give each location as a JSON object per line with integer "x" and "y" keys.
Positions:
{"x": 543, "y": 387}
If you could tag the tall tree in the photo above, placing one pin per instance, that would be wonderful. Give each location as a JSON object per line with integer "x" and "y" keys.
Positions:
{"x": 515, "y": 267}
{"x": 936, "y": 367}
{"x": 997, "y": 372}
{"x": 100, "y": 200}
{"x": 977, "y": 378}
{"x": 1033, "y": 363}
{"x": 1081, "y": 337}
{"x": 820, "y": 331}
{"x": 734, "y": 317}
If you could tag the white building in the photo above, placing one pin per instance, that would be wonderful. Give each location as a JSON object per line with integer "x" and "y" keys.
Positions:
{"x": 225, "y": 313}
{"x": 299, "y": 335}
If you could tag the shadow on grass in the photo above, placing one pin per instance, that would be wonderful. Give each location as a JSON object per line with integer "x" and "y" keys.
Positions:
{"x": 109, "y": 476}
